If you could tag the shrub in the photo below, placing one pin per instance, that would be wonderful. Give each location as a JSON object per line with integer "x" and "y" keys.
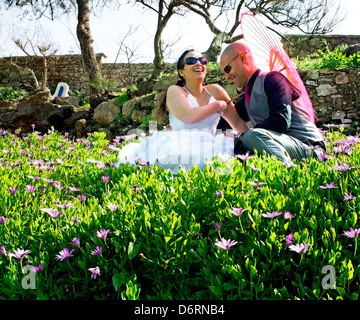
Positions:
{"x": 327, "y": 59}
{"x": 12, "y": 93}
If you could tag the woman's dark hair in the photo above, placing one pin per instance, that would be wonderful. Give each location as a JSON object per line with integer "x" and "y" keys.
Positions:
{"x": 180, "y": 65}
{"x": 161, "y": 113}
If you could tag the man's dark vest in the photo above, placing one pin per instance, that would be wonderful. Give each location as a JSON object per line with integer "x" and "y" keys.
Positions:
{"x": 301, "y": 126}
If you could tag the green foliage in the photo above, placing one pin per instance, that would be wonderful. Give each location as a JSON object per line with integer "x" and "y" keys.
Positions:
{"x": 335, "y": 60}
{"x": 162, "y": 235}
{"x": 12, "y": 93}
{"x": 121, "y": 99}
{"x": 103, "y": 83}
{"x": 213, "y": 66}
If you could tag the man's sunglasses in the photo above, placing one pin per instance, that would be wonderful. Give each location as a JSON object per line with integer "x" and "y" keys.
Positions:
{"x": 192, "y": 60}
{"x": 227, "y": 69}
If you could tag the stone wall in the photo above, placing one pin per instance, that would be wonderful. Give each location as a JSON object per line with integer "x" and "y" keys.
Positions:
{"x": 334, "y": 94}
{"x": 66, "y": 68}
{"x": 302, "y": 45}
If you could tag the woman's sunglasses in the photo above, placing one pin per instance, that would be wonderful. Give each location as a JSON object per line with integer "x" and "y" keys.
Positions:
{"x": 192, "y": 60}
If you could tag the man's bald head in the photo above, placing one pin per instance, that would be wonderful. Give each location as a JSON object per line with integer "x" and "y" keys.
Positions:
{"x": 234, "y": 48}
{"x": 238, "y": 63}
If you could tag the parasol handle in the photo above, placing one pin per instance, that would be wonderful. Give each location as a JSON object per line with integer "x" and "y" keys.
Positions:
{"x": 236, "y": 97}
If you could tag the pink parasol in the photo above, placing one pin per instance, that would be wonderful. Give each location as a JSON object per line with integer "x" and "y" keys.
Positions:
{"x": 269, "y": 55}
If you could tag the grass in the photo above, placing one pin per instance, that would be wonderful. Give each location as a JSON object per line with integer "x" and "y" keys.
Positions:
{"x": 163, "y": 232}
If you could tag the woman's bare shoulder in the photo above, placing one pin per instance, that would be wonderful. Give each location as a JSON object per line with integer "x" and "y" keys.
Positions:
{"x": 175, "y": 89}
{"x": 216, "y": 90}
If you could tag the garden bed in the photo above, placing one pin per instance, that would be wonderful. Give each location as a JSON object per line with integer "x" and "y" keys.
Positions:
{"x": 73, "y": 226}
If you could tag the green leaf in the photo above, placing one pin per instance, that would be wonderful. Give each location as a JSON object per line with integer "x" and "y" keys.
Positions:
{"x": 229, "y": 286}
{"x": 132, "y": 250}
{"x": 272, "y": 236}
{"x": 350, "y": 270}
{"x": 216, "y": 291}
{"x": 118, "y": 280}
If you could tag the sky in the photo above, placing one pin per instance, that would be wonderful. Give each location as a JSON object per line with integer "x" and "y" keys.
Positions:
{"x": 110, "y": 27}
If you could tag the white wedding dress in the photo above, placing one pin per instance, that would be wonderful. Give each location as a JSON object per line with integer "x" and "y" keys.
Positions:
{"x": 184, "y": 146}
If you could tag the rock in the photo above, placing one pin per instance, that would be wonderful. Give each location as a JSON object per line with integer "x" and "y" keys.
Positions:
{"x": 348, "y": 121}
{"x": 74, "y": 101}
{"x": 126, "y": 130}
{"x": 326, "y": 71}
{"x": 80, "y": 125}
{"x": 137, "y": 115}
{"x": 129, "y": 106}
{"x": 106, "y": 112}
{"x": 325, "y": 90}
{"x": 350, "y": 50}
{"x": 79, "y": 114}
{"x": 57, "y": 117}
{"x": 7, "y": 105}
{"x": 41, "y": 96}
{"x": 107, "y": 132}
{"x": 341, "y": 78}
{"x": 24, "y": 115}
{"x": 338, "y": 115}
{"x": 147, "y": 102}
{"x": 166, "y": 81}
{"x": 313, "y": 74}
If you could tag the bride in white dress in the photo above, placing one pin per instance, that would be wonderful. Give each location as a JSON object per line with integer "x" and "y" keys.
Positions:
{"x": 194, "y": 112}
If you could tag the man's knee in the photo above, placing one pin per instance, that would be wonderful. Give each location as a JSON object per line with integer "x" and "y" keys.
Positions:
{"x": 254, "y": 138}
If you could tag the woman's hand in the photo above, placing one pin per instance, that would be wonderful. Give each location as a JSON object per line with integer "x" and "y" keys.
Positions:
{"x": 221, "y": 106}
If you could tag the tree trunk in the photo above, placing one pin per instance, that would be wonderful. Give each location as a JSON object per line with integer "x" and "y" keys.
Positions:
{"x": 214, "y": 50}
{"x": 90, "y": 64}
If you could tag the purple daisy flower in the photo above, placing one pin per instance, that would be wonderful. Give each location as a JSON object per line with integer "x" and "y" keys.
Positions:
{"x": 2, "y": 250}
{"x": 349, "y": 197}
{"x": 299, "y": 248}
{"x": 272, "y": 214}
{"x": 112, "y": 206}
{"x": 38, "y": 268}
{"x": 13, "y": 190}
{"x": 94, "y": 272}
{"x": 64, "y": 254}
{"x": 3, "y": 219}
{"x": 288, "y": 215}
{"x": 19, "y": 253}
{"x": 353, "y": 233}
{"x": 97, "y": 251}
{"x": 73, "y": 189}
{"x": 102, "y": 233}
{"x": 30, "y": 188}
{"x": 218, "y": 193}
{"x": 225, "y": 244}
{"x": 289, "y": 238}
{"x": 237, "y": 211}
{"x": 328, "y": 186}
{"x": 52, "y": 212}
{"x": 75, "y": 242}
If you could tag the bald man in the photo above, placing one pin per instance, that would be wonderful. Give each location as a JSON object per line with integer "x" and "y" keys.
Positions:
{"x": 281, "y": 126}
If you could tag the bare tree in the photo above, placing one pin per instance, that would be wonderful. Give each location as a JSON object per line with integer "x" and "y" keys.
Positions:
{"x": 314, "y": 17}
{"x": 51, "y": 8}
{"x": 38, "y": 46}
{"x": 165, "y": 9}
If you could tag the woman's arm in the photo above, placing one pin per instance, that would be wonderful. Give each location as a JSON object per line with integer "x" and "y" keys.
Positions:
{"x": 179, "y": 106}
{"x": 230, "y": 115}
